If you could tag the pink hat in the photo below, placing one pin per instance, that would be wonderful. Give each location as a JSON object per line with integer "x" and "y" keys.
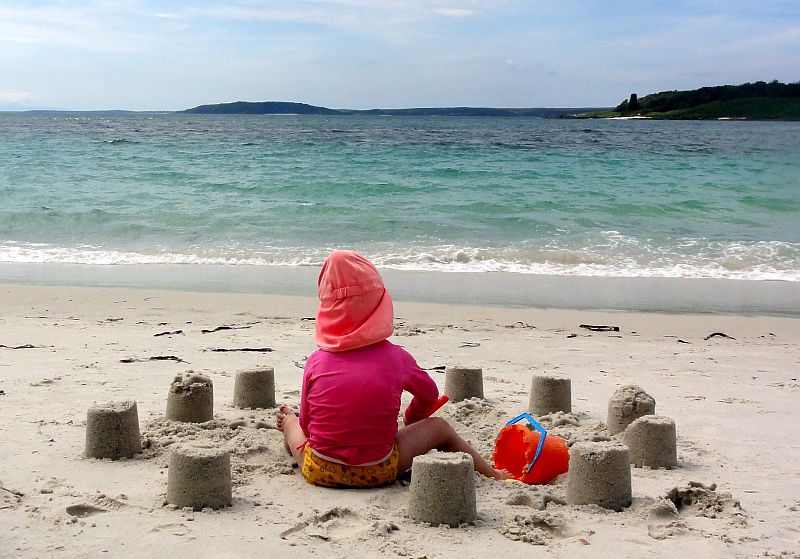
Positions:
{"x": 355, "y": 310}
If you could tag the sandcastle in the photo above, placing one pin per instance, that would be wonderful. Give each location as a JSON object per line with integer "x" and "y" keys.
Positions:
{"x": 550, "y": 394}
{"x": 191, "y": 398}
{"x": 442, "y": 489}
{"x": 112, "y": 430}
{"x": 461, "y": 383}
{"x": 651, "y": 440}
{"x": 599, "y": 474}
{"x": 199, "y": 477}
{"x": 254, "y": 388}
{"x": 626, "y": 405}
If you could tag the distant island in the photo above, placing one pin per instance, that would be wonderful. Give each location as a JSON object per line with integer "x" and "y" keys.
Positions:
{"x": 263, "y": 108}
{"x": 286, "y": 108}
{"x": 749, "y": 101}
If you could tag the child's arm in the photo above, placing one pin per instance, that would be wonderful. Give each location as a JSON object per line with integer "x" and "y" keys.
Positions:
{"x": 425, "y": 392}
{"x": 304, "y": 407}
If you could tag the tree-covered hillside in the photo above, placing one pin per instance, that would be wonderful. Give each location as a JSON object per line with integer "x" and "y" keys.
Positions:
{"x": 259, "y": 108}
{"x": 757, "y": 101}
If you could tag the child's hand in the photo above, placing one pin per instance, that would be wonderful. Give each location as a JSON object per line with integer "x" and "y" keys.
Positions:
{"x": 407, "y": 420}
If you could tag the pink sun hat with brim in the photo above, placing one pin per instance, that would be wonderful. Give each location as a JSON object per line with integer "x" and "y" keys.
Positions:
{"x": 355, "y": 309}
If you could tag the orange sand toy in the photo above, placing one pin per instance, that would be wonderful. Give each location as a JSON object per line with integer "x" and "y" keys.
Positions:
{"x": 517, "y": 451}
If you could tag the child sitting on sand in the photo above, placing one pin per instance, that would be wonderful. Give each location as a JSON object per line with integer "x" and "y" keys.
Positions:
{"x": 347, "y": 433}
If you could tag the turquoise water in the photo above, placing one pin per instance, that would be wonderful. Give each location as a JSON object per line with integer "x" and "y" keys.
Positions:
{"x": 596, "y": 198}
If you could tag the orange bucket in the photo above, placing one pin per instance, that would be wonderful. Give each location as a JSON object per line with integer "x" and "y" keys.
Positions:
{"x": 515, "y": 449}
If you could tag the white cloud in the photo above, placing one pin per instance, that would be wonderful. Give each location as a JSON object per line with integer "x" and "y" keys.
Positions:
{"x": 20, "y": 39}
{"x": 98, "y": 28}
{"x": 774, "y": 39}
{"x": 14, "y": 96}
{"x": 338, "y": 13}
{"x": 454, "y": 12}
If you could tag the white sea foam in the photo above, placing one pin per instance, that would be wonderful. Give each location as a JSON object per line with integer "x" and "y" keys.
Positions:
{"x": 689, "y": 259}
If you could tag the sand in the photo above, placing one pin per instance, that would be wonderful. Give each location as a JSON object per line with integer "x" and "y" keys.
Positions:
{"x": 735, "y": 492}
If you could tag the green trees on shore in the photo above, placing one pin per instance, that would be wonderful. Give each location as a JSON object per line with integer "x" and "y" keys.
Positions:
{"x": 764, "y": 100}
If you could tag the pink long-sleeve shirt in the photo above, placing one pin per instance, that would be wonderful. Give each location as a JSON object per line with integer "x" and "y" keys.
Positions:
{"x": 351, "y": 399}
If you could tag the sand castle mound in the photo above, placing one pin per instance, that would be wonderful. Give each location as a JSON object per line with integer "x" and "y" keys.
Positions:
{"x": 626, "y": 405}
{"x": 191, "y": 398}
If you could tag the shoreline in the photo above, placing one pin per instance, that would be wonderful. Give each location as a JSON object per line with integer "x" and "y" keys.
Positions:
{"x": 505, "y": 289}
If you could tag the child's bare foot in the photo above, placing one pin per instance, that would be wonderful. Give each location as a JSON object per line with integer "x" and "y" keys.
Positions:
{"x": 284, "y": 417}
{"x": 502, "y": 474}
{"x": 293, "y": 437}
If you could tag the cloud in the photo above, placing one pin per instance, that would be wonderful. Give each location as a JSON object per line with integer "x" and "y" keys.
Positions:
{"x": 338, "y": 13}
{"x": 14, "y": 96}
{"x": 20, "y": 39}
{"x": 789, "y": 37}
{"x": 105, "y": 27}
{"x": 454, "y": 12}
{"x": 137, "y": 26}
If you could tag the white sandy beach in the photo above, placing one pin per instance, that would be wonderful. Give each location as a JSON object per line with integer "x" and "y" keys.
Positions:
{"x": 734, "y": 400}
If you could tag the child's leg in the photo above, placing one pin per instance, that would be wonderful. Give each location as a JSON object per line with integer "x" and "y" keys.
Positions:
{"x": 293, "y": 435}
{"x": 434, "y": 432}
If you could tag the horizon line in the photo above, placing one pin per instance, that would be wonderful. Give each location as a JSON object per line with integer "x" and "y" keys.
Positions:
{"x": 430, "y": 107}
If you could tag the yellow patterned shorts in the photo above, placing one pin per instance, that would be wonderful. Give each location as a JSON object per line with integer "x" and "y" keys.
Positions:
{"x": 318, "y": 471}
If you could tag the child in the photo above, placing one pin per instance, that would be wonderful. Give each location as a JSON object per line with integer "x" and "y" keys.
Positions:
{"x": 347, "y": 434}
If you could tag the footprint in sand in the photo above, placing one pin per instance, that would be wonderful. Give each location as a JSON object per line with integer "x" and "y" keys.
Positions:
{"x": 102, "y": 504}
{"x": 46, "y": 381}
{"x": 539, "y": 528}
{"x": 664, "y": 521}
{"x": 337, "y": 524}
{"x": 535, "y": 498}
{"x": 83, "y": 510}
{"x": 176, "y": 529}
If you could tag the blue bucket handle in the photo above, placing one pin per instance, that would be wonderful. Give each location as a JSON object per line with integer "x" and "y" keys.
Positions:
{"x": 542, "y": 431}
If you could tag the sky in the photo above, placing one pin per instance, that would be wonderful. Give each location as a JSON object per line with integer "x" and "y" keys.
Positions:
{"x": 360, "y": 54}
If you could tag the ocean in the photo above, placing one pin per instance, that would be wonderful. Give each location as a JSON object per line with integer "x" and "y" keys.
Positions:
{"x": 598, "y": 198}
